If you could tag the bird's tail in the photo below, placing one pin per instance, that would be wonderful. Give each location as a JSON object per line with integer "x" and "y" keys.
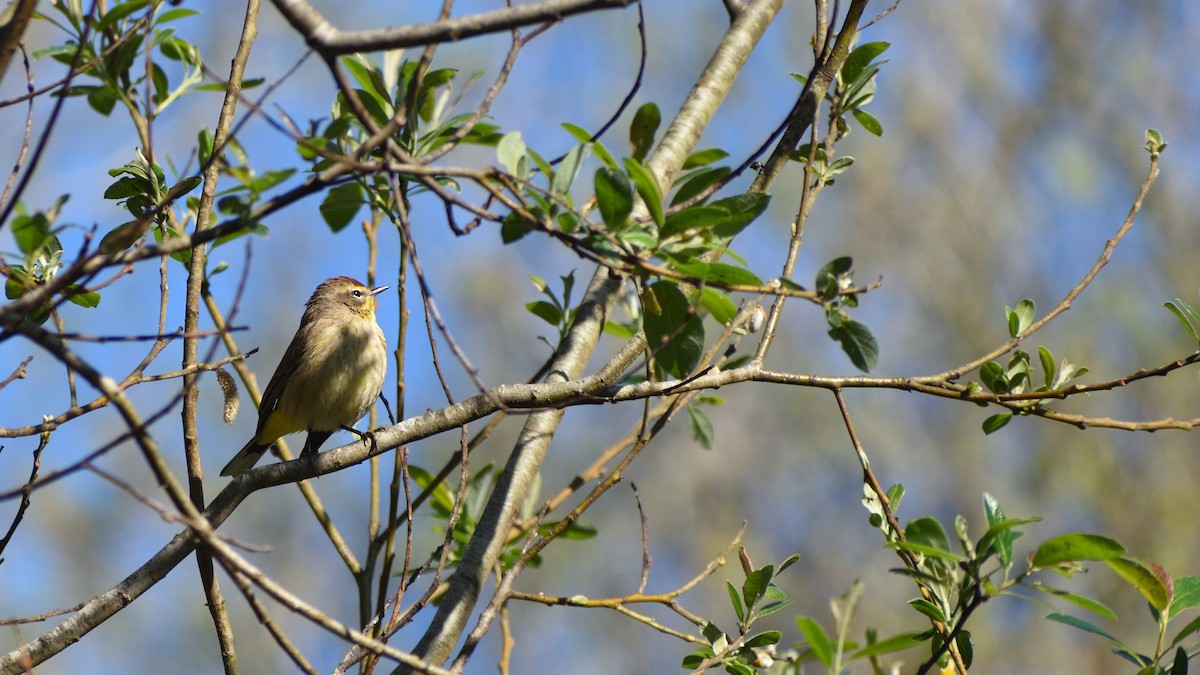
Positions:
{"x": 246, "y": 459}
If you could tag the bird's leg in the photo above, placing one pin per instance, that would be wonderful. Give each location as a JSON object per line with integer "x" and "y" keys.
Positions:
{"x": 387, "y": 407}
{"x": 368, "y": 436}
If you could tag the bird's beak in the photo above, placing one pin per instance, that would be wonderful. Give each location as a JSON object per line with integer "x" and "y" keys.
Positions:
{"x": 379, "y": 290}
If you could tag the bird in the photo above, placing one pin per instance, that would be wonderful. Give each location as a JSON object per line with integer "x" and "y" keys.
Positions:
{"x": 329, "y": 376}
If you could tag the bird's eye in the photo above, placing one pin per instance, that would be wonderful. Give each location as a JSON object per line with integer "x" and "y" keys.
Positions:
{"x": 356, "y": 293}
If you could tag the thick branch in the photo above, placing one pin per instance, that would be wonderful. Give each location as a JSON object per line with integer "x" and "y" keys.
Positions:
{"x": 491, "y": 535}
{"x": 326, "y": 39}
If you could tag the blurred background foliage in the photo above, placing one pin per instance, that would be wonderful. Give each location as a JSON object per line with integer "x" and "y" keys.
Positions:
{"x": 1011, "y": 152}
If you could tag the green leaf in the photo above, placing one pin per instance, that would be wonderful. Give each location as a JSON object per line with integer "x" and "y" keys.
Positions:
{"x": 895, "y": 643}
{"x": 926, "y": 550}
{"x": 1187, "y": 631}
{"x": 1047, "y": 359}
{"x": 703, "y": 157}
{"x": 1074, "y": 547}
{"x": 697, "y": 182}
{"x": 1076, "y": 622}
{"x": 928, "y": 609}
{"x": 584, "y": 136}
{"x": 514, "y": 227}
{"x": 647, "y": 187}
{"x": 546, "y": 311}
{"x": 756, "y": 584}
{"x": 1019, "y": 317}
{"x": 860, "y": 58}
{"x": 735, "y": 599}
{"x": 996, "y": 422}
{"x": 999, "y": 535}
{"x": 858, "y": 343}
{"x": 817, "y": 639}
{"x": 1154, "y": 142}
{"x": 642, "y": 130}
{"x": 718, "y": 304}
{"x": 341, "y": 204}
{"x": 614, "y": 196}
{"x": 722, "y": 274}
{"x": 576, "y": 531}
{"x": 868, "y": 121}
{"x": 743, "y": 209}
{"x": 123, "y": 236}
{"x": 1087, "y": 603}
{"x": 568, "y": 169}
{"x": 702, "y": 427}
{"x": 764, "y": 639}
{"x": 80, "y": 296}
{"x": 928, "y": 531}
{"x": 1178, "y": 308}
{"x": 991, "y": 374}
{"x": 673, "y": 331}
{"x": 1187, "y": 594}
{"x": 827, "y": 282}
{"x": 1149, "y": 578}
{"x": 694, "y": 219}
{"x": 513, "y": 155}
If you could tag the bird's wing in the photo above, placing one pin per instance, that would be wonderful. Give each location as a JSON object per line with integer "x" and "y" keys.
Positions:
{"x": 283, "y": 372}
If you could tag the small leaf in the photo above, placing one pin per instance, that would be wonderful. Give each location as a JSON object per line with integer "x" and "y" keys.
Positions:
{"x": 992, "y": 376}
{"x": 1047, "y": 359}
{"x": 647, "y": 187}
{"x": 827, "y": 282}
{"x": 927, "y": 531}
{"x": 546, "y": 311}
{"x": 996, "y": 422}
{"x": 718, "y": 304}
{"x": 568, "y": 169}
{"x": 1175, "y": 308}
{"x": 860, "y": 58}
{"x": 674, "y": 333}
{"x": 697, "y": 182}
{"x": 614, "y": 196}
{"x": 756, "y": 584}
{"x": 584, "y": 136}
{"x": 691, "y": 220}
{"x": 817, "y": 639}
{"x": 1084, "y": 602}
{"x": 642, "y": 130}
{"x": 341, "y": 204}
{"x": 743, "y": 209}
{"x": 928, "y": 609}
{"x": 82, "y": 297}
{"x": 702, "y": 428}
{"x": 764, "y": 639}
{"x": 1187, "y": 594}
{"x": 868, "y": 121}
{"x": 1019, "y": 317}
{"x": 1068, "y": 620}
{"x": 722, "y": 274}
{"x": 895, "y": 643}
{"x": 514, "y": 227}
{"x": 1148, "y": 578}
{"x": 858, "y": 343}
{"x": 513, "y": 155}
{"x": 703, "y": 157}
{"x": 1154, "y": 142}
{"x": 735, "y": 599}
{"x": 1074, "y": 547}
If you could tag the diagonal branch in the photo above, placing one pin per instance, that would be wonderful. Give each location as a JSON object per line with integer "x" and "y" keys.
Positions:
{"x": 327, "y": 39}
{"x": 491, "y": 534}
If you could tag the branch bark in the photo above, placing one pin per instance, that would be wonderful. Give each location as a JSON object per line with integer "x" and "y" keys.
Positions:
{"x": 491, "y": 535}
{"x": 329, "y": 41}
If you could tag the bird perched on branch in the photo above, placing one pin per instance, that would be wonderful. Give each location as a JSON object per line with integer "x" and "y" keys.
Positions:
{"x": 329, "y": 376}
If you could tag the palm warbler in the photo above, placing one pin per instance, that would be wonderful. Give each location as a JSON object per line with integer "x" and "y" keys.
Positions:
{"x": 330, "y": 374}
